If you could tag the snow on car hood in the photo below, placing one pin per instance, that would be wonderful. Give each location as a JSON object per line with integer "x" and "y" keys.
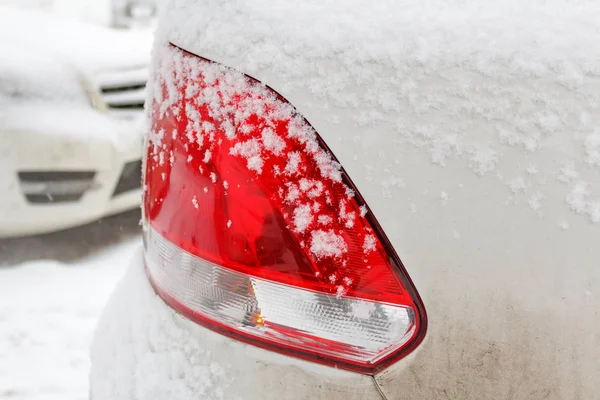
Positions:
{"x": 86, "y": 47}
{"x": 47, "y": 57}
{"x": 28, "y": 74}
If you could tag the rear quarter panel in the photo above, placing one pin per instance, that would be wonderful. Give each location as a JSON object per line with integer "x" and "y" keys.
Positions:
{"x": 483, "y": 173}
{"x": 507, "y": 270}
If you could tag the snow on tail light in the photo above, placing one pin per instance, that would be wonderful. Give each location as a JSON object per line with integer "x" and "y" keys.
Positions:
{"x": 254, "y": 230}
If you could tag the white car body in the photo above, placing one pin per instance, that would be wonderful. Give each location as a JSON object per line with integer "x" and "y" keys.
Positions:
{"x": 471, "y": 130}
{"x": 71, "y": 98}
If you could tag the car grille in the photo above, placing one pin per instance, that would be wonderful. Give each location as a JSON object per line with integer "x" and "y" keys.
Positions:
{"x": 131, "y": 178}
{"x": 123, "y": 91}
{"x": 48, "y": 187}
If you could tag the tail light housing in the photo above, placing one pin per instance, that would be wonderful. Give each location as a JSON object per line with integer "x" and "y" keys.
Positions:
{"x": 254, "y": 230}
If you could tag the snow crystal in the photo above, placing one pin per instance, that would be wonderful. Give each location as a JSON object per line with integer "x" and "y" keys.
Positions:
{"x": 363, "y": 210}
{"x": 314, "y": 188}
{"x": 251, "y": 151}
{"x": 532, "y": 169}
{"x": 535, "y": 201}
{"x": 302, "y": 218}
{"x": 191, "y": 91}
{"x": 293, "y": 160}
{"x": 195, "y": 202}
{"x": 390, "y": 183}
{"x": 345, "y": 216}
{"x": 189, "y": 158}
{"x": 205, "y": 189}
{"x": 328, "y": 168}
{"x": 455, "y": 235}
{"x": 213, "y": 177}
{"x": 207, "y": 156}
{"x": 576, "y": 198}
{"x": 229, "y": 129}
{"x": 517, "y": 185}
{"x": 578, "y": 201}
{"x": 327, "y": 244}
{"x": 341, "y": 291}
{"x": 229, "y": 224}
{"x": 592, "y": 148}
{"x": 413, "y": 208}
{"x": 293, "y": 192}
{"x": 226, "y": 185}
{"x": 564, "y": 225}
{"x": 316, "y": 191}
{"x": 369, "y": 244}
{"x": 483, "y": 160}
{"x": 349, "y": 193}
{"x": 306, "y": 184}
{"x": 567, "y": 173}
{"x": 272, "y": 142}
{"x": 324, "y": 220}
{"x": 444, "y": 197}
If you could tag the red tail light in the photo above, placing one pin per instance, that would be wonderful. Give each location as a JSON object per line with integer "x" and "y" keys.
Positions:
{"x": 254, "y": 230}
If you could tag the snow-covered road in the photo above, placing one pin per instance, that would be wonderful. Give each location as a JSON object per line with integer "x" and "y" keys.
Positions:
{"x": 48, "y": 312}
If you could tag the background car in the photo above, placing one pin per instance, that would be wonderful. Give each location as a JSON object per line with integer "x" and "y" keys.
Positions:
{"x": 114, "y": 13}
{"x": 71, "y": 97}
{"x": 365, "y": 200}
{"x": 127, "y": 13}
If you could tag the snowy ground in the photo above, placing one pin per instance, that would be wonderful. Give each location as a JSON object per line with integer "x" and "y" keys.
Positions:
{"x": 52, "y": 290}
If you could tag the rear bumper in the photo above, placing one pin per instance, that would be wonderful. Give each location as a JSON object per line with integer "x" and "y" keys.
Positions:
{"x": 143, "y": 349}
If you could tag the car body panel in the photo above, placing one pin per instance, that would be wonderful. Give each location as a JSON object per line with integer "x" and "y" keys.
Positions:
{"x": 481, "y": 163}
{"x": 508, "y": 284}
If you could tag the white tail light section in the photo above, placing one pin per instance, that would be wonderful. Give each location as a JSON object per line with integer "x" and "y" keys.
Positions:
{"x": 355, "y": 329}
{"x": 254, "y": 230}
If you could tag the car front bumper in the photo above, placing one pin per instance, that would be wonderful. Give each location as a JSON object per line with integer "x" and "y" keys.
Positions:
{"x": 52, "y": 179}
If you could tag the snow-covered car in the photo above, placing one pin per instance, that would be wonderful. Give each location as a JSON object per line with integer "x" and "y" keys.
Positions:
{"x": 71, "y": 101}
{"x": 297, "y": 151}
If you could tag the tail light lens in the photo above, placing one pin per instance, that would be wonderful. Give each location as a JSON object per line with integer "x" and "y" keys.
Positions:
{"x": 254, "y": 230}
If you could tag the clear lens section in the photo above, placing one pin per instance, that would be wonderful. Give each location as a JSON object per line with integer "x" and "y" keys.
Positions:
{"x": 341, "y": 327}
